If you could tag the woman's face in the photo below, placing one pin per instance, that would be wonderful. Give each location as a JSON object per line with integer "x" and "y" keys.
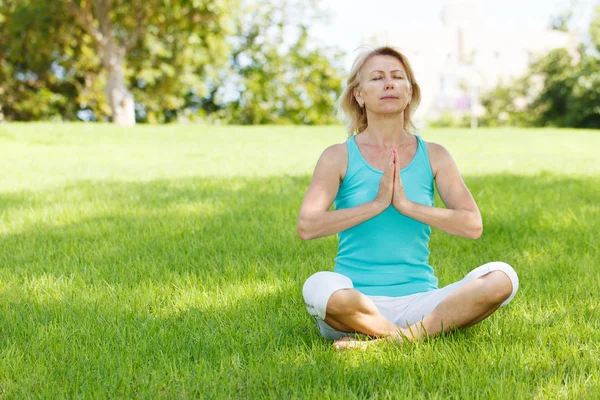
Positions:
{"x": 383, "y": 86}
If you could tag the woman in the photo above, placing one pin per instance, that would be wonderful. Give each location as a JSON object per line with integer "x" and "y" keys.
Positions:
{"x": 381, "y": 183}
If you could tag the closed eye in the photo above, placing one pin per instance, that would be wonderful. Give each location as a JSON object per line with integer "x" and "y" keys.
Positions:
{"x": 379, "y": 78}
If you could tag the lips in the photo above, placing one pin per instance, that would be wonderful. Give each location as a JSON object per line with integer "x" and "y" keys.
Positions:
{"x": 389, "y": 98}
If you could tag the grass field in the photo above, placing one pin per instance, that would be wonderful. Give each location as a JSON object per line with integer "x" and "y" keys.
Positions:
{"x": 163, "y": 262}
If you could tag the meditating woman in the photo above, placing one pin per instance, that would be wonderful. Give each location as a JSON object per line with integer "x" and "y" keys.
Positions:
{"x": 381, "y": 183}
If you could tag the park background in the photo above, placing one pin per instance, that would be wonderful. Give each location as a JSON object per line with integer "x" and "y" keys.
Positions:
{"x": 154, "y": 155}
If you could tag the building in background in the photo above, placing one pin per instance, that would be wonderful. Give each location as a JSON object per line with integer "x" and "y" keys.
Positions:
{"x": 461, "y": 59}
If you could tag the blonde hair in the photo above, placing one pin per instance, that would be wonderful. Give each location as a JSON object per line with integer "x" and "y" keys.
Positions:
{"x": 352, "y": 113}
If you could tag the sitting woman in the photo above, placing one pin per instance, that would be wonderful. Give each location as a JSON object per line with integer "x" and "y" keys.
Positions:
{"x": 381, "y": 183}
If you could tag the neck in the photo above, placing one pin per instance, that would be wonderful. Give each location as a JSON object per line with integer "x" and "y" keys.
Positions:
{"x": 387, "y": 131}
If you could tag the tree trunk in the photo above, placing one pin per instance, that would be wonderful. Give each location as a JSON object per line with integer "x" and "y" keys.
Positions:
{"x": 118, "y": 95}
{"x": 112, "y": 56}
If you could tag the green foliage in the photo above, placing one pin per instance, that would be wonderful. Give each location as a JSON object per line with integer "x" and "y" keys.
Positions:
{"x": 450, "y": 120}
{"x": 585, "y": 97}
{"x": 557, "y": 71}
{"x": 183, "y": 48}
{"x": 31, "y": 36}
{"x": 507, "y": 105}
{"x": 275, "y": 79}
{"x": 203, "y": 58}
{"x": 180, "y": 44}
{"x": 560, "y": 90}
{"x": 595, "y": 30}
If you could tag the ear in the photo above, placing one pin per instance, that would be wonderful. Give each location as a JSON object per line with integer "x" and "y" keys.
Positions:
{"x": 410, "y": 92}
{"x": 358, "y": 97}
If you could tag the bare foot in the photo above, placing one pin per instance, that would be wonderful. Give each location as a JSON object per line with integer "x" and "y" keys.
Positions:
{"x": 361, "y": 344}
{"x": 403, "y": 335}
{"x": 352, "y": 343}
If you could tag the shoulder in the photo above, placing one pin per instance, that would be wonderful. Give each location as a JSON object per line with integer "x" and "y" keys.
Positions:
{"x": 336, "y": 150}
{"x": 439, "y": 156}
{"x": 334, "y": 158}
{"x": 436, "y": 149}
{"x": 336, "y": 154}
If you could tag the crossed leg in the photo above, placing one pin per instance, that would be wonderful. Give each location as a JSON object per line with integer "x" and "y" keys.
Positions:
{"x": 350, "y": 311}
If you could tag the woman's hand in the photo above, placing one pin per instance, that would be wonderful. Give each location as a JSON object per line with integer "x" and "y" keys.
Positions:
{"x": 386, "y": 184}
{"x": 316, "y": 219}
{"x": 399, "y": 200}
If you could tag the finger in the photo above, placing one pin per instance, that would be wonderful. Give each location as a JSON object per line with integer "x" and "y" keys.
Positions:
{"x": 392, "y": 162}
{"x": 396, "y": 164}
{"x": 397, "y": 176}
{"x": 389, "y": 165}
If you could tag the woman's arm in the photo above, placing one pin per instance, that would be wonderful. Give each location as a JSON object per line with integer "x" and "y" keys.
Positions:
{"x": 315, "y": 220}
{"x": 461, "y": 216}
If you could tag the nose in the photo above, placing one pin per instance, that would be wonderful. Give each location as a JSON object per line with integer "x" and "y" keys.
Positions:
{"x": 389, "y": 83}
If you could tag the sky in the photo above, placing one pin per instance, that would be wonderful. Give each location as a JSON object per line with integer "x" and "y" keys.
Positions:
{"x": 351, "y": 20}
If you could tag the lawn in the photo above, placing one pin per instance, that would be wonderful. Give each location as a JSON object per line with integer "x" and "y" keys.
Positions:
{"x": 164, "y": 262}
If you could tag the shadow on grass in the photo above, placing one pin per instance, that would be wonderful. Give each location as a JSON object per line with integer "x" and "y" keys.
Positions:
{"x": 226, "y": 234}
{"x": 235, "y": 229}
{"x": 192, "y": 226}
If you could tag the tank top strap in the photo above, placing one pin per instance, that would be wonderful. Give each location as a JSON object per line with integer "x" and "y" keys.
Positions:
{"x": 353, "y": 157}
{"x": 352, "y": 149}
{"x": 424, "y": 155}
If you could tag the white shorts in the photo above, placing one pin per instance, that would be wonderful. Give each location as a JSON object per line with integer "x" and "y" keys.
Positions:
{"x": 402, "y": 311}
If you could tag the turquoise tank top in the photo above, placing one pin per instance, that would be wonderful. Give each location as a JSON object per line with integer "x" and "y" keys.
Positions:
{"x": 387, "y": 255}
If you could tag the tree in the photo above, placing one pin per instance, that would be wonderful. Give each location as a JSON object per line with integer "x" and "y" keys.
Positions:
{"x": 157, "y": 50}
{"x": 275, "y": 74}
{"x": 561, "y": 89}
{"x": 557, "y": 71}
{"x": 254, "y": 64}
{"x": 595, "y": 30}
{"x": 29, "y": 87}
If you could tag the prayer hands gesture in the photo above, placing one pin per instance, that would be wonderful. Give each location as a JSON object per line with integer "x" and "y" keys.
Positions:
{"x": 391, "y": 190}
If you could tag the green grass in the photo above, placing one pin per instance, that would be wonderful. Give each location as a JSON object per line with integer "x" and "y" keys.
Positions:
{"x": 164, "y": 262}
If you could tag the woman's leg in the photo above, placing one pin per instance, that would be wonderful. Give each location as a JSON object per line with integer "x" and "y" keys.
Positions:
{"x": 331, "y": 299}
{"x": 350, "y": 310}
{"x": 460, "y": 304}
{"x": 340, "y": 310}
{"x": 467, "y": 302}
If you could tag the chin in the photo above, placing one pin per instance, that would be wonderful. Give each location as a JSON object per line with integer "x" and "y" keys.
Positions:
{"x": 391, "y": 110}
